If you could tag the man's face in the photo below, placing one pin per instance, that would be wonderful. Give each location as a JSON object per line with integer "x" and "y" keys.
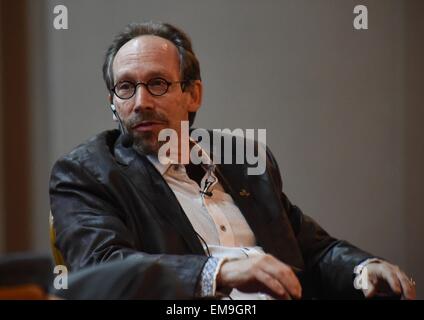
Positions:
{"x": 144, "y": 115}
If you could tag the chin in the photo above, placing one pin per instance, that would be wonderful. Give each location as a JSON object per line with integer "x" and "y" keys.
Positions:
{"x": 146, "y": 145}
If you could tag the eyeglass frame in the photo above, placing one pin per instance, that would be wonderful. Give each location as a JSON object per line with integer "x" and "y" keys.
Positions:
{"x": 146, "y": 85}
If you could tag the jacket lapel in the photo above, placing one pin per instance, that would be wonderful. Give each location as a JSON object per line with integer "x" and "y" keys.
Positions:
{"x": 150, "y": 183}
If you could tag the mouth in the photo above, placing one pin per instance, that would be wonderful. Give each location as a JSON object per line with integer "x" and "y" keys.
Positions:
{"x": 147, "y": 125}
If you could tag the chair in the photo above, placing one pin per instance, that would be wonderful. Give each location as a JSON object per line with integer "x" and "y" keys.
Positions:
{"x": 57, "y": 255}
{"x": 25, "y": 276}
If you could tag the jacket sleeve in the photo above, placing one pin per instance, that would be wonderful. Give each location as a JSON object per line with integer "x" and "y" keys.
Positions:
{"x": 329, "y": 262}
{"x": 137, "y": 277}
{"x": 90, "y": 230}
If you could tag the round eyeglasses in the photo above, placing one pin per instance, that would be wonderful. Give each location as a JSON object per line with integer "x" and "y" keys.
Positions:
{"x": 156, "y": 87}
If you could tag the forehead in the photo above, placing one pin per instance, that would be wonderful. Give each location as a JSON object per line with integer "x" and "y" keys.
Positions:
{"x": 146, "y": 55}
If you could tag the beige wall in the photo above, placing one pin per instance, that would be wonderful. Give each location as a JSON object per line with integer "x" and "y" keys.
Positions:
{"x": 342, "y": 108}
{"x": 413, "y": 187}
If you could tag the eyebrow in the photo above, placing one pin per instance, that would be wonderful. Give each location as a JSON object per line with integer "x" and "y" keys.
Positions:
{"x": 150, "y": 75}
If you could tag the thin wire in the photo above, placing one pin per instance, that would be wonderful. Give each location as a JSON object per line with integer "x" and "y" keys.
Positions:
{"x": 206, "y": 245}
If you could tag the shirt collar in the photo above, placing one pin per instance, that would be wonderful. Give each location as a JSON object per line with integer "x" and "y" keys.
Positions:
{"x": 163, "y": 168}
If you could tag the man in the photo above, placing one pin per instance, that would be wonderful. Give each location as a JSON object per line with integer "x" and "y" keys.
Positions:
{"x": 220, "y": 230}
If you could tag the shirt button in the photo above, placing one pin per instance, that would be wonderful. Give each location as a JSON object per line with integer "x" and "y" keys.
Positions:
{"x": 223, "y": 228}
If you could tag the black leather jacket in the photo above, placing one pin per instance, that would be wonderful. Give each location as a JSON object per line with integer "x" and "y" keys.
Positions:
{"x": 109, "y": 202}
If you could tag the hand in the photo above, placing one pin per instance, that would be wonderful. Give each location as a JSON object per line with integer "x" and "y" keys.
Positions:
{"x": 262, "y": 273}
{"x": 385, "y": 279}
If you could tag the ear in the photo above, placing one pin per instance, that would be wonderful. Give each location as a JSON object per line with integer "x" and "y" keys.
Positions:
{"x": 195, "y": 95}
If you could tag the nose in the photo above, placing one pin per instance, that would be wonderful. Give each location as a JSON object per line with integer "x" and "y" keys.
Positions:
{"x": 142, "y": 99}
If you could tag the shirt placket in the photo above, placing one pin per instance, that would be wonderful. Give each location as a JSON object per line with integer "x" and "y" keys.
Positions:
{"x": 211, "y": 203}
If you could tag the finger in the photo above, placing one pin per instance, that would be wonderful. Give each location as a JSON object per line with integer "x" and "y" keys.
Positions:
{"x": 274, "y": 286}
{"x": 370, "y": 291}
{"x": 408, "y": 290}
{"x": 285, "y": 275}
{"x": 371, "y": 288}
{"x": 393, "y": 281}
